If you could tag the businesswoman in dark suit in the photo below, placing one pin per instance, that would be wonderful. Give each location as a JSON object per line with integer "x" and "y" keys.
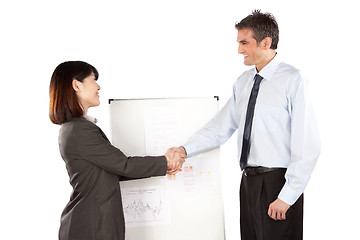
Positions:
{"x": 93, "y": 164}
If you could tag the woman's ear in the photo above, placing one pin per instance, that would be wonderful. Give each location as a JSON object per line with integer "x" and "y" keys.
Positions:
{"x": 75, "y": 85}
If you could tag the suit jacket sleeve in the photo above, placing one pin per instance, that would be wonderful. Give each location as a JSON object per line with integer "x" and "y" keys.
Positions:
{"x": 94, "y": 147}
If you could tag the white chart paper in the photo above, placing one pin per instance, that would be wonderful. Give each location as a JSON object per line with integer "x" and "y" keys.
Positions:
{"x": 161, "y": 129}
{"x": 145, "y": 206}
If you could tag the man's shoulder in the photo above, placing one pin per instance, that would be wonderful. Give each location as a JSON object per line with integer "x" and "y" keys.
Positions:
{"x": 248, "y": 74}
{"x": 289, "y": 73}
{"x": 285, "y": 67}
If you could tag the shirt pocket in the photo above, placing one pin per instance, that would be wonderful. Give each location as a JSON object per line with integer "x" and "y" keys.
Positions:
{"x": 267, "y": 118}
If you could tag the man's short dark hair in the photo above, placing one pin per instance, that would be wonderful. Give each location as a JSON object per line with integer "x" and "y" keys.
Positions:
{"x": 263, "y": 25}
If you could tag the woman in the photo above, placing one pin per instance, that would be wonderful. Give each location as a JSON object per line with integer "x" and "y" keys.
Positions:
{"x": 93, "y": 164}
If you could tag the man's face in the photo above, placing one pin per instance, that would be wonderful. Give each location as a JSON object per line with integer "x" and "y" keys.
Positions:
{"x": 250, "y": 48}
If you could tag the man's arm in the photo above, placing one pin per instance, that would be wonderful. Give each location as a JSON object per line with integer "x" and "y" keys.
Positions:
{"x": 305, "y": 149}
{"x": 217, "y": 131}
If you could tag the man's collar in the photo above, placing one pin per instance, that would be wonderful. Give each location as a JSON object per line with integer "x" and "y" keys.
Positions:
{"x": 268, "y": 71}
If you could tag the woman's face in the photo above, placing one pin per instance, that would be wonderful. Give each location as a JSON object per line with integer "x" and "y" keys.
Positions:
{"x": 87, "y": 92}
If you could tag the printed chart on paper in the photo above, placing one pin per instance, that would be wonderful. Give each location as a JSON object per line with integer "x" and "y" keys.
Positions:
{"x": 145, "y": 206}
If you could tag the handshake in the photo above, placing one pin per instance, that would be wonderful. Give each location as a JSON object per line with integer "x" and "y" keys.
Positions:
{"x": 175, "y": 158}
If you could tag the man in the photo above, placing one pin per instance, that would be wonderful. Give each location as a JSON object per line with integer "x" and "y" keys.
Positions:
{"x": 278, "y": 141}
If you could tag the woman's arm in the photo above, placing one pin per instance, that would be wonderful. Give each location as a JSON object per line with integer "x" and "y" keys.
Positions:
{"x": 93, "y": 147}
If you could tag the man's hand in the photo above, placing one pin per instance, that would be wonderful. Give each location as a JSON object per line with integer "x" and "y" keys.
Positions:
{"x": 180, "y": 149}
{"x": 277, "y": 210}
{"x": 175, "y": 160}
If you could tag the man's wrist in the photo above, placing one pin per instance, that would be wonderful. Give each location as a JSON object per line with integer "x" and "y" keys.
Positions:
{"x": 183, "y": 150}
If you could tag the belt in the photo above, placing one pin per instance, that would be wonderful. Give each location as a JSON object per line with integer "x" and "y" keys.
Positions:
{"x": 258, "y": 170}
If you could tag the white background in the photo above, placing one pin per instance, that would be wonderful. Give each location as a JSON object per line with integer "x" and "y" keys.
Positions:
{"x": 167, "y": 48}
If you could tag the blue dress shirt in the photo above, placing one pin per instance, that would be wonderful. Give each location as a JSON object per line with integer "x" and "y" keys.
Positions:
{"x": 284, "y": 132}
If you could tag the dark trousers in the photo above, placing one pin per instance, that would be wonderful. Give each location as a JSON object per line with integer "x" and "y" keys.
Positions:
{"x": 257, "y": 192}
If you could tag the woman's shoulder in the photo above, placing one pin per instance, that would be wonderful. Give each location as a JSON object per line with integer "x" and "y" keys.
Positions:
{"x": 76, "y": 126}
{"x": 76, "y": 122}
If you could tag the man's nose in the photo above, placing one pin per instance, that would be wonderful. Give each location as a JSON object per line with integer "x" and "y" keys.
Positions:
{"x": 240, "y": 49}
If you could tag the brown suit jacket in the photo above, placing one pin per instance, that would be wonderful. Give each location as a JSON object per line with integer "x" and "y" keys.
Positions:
{"x": 95, "y": 168}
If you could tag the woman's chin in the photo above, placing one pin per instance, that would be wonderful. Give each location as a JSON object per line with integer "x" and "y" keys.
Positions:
{"x": 95, "y": 104}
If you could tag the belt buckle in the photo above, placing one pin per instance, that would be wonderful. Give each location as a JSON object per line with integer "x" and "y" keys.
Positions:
{"x": 251, "y": 171}
{"x": 248, "y": 171}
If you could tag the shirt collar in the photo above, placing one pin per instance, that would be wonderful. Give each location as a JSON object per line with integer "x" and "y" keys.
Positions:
{"x": 268, "y": 71}
{"x": 90, "y": 118}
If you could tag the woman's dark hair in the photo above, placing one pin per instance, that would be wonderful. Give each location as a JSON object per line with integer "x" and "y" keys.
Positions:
{"x": 63, "y": 100}
{"x": 263, "y": 25}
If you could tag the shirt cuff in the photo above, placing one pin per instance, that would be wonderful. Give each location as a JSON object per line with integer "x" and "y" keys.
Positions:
{"x": 288, "y": 195}
{"x": 190, "y": 149}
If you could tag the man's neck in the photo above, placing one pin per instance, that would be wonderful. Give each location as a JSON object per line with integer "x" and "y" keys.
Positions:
{"x": 267, "y": 58}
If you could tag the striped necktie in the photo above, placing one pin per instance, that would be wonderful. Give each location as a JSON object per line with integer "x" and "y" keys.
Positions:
{"x": 248, "y": 122}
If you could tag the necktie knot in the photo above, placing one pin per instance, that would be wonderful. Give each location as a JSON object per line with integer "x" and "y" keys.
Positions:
{"x": 258, "y": 79}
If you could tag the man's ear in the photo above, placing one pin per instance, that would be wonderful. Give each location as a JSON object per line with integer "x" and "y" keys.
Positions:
{"x": 75, "y": 85}
{"x": 266, "y": 43}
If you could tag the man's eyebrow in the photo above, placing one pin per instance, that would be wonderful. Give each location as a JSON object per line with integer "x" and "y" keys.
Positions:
{"x": 243, "y": 41}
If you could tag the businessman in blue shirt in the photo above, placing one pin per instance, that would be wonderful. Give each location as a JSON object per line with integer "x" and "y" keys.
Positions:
{"x": 282, "y": 146}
